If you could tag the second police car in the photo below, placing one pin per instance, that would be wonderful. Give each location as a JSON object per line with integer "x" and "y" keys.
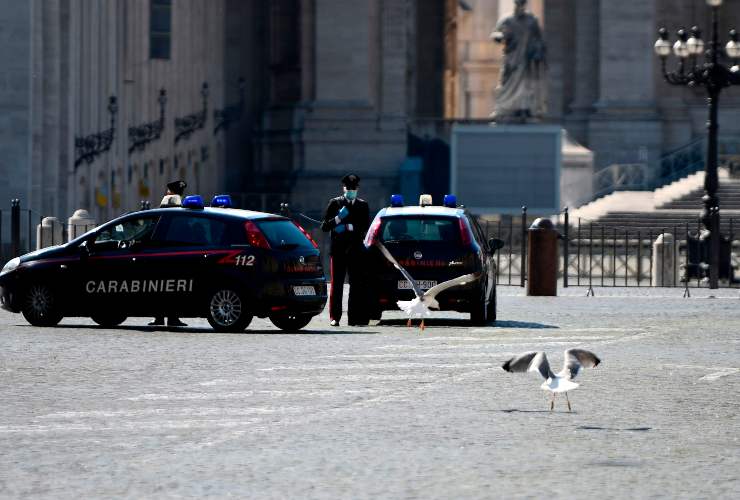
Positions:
{"x": 434, "y": 244}
{"x": 224, "y": 264}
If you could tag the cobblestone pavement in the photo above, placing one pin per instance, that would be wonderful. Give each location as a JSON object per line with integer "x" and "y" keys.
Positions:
{"x": 383, "y": 411}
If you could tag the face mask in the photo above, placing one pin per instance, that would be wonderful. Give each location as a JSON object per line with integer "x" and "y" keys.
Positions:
{"x": 350, "y": 194}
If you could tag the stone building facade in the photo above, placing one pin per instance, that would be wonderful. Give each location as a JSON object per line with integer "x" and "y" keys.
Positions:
{"x": 331, "y": 86}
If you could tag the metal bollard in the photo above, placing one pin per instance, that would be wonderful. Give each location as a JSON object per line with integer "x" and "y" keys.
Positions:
{"x": 542, "y": 266}
{"x": 15, "y": 227}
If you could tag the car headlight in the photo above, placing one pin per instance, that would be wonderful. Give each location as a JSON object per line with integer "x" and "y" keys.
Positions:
{"x": 10, "y": 265}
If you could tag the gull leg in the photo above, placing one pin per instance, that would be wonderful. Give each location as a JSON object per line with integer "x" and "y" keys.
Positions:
{"x": 552, "y": 402}
{"x": 422, "y": 324}
{"x": 568, "y": 400}
{"x": 408, "y": 323}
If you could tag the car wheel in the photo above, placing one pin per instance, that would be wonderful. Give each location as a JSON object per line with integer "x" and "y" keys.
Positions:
{"x": 108, "y": 320}
{"x": 227, "y": 311}
{"x": 479, "y": 314}
{"x": 291, "y": 322}
{"x": 41, "y": 306}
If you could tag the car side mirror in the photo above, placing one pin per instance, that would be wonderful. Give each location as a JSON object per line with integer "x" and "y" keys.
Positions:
{"x": 85, "y": 249}
{"x": 496, "y": 244}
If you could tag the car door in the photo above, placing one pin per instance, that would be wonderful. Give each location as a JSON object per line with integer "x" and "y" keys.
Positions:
{"x": 182, "y": 256}
{"x": 111, "y": 274}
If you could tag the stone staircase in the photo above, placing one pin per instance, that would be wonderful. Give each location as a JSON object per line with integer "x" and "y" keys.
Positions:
{"x": 675, "y": 208}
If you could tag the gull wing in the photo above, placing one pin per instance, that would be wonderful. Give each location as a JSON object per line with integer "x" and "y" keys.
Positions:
{"x": 417, "y": 290}
{"x": 460, "y": 280}
{"x": 576, "y": 360}
{"x": 529, "y": 362}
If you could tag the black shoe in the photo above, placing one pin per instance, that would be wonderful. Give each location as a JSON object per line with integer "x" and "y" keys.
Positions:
{"x": 175, "y": 322}
{"x": 156, "y": 322}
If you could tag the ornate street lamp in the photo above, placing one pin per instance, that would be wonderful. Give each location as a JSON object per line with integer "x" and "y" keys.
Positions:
{"x": 141, "y": 135}
{"x": 714, "y": 75}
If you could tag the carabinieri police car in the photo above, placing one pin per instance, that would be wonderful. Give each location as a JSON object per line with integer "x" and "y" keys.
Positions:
{"x": 434, "y": 244}
{"x": 224, "y": 264}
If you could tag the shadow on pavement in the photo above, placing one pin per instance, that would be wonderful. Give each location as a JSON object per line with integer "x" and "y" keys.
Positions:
{"x": 459, "y": 323}
{"x": 208, "y": 330}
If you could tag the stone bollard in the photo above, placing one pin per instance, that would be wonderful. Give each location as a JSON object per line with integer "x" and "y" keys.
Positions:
{"x": 49, "y": 233}
{"x": 664, "y": 261}
{"x": 79, "y": 224}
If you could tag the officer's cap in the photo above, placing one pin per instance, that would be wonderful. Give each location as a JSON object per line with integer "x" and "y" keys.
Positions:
{"x": 177, "y": 187}
{"x": 351, "y": 181}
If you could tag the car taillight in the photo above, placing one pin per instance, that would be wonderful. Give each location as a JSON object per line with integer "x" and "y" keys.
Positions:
{"x": 255, "y": 237}
{"x": 373, "y": 232}
{"x": 465, "y": 235}
{"x": 305, "y": 233}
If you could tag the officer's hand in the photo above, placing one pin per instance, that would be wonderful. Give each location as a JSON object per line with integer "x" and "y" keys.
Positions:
{"x": 340, "y": 228}
{"x": 350, "y": 227}
{"x": 343, "y": 213}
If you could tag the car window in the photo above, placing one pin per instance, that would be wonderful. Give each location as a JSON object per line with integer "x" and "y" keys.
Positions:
{"x": 185, "y": 230}
{"x": 441, "y": 229}
{"x": 478, "y": 230}
{"x": 138, "y": 229}
{"x": 284, "y": 234}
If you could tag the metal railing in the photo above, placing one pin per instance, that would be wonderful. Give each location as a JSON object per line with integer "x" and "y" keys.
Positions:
{"x": 600, "y": 255}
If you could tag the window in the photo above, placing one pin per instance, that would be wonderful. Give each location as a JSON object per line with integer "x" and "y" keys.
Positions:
{"x": 193, "y": 231}
{"x": 284, "y": 234}
{"x": 160, "y": 29}
{"x": 440, "y": 229}
{"x": 132, "y": 230}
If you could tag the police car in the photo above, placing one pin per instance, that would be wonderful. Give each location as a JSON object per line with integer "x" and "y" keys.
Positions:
{"x": 224, "y": 264}
{"x": 434, "y": 244}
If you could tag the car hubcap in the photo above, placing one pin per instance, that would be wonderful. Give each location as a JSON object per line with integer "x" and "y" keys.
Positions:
{"x": 226, "y": 307}
{"x": 39, "y": 298}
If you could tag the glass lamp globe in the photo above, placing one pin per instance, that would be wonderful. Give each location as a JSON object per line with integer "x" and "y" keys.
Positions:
{"x": 714, "y": 3}
{"x": 695, "y": 46}
{"x": 663, "y": 47}
{"x": 733, "y": 49}
{"x": 681, "y": 49}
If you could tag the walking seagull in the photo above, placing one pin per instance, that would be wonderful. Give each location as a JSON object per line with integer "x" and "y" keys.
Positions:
{"x": 575, "y": 361}
{"x": 424, "y": 302}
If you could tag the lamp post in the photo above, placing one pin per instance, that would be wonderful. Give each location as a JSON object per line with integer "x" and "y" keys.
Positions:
{"x": 714, "y": 75}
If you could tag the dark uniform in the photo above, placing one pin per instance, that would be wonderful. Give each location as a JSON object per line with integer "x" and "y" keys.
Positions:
{"x": 348, "y": 220}
{"x": 172, "y": 198}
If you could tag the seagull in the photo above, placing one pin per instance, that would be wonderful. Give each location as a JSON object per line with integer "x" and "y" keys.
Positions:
{"x": 575, "y": 361}
{"x": 424, "y": 302}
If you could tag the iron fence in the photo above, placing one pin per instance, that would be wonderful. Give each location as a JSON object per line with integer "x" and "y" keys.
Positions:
{"x": 592, "y": 254}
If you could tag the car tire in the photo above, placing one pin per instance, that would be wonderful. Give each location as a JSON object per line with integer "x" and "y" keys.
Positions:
{"x": 108, "y": 320}
{"x": 227, "y": 311}
{"x": 41, "y": 305}
{"x": 291, "y": 322}
{"x": 479, "y": 313}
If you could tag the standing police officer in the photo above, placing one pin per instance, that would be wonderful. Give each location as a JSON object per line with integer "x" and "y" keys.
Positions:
{"x": 172, "y": 198}
{"x": 348, "y": 219}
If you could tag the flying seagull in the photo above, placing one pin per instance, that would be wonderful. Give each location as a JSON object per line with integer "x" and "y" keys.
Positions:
{"x": 424, "y": 302}
{"x": 575, "y": 361}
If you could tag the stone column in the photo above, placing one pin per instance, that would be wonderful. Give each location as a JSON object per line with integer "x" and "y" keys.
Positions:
{"x": 586, "y": 76}
{"x": 626, "y": 127}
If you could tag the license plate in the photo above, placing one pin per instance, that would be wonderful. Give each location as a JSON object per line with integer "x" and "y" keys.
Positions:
{"x": 423, "y": 284}
{"x": 304, "y": 290}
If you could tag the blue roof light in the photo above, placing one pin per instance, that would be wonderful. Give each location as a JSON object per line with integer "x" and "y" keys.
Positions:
{"x": 450, "y": 201}
{"x": 222, "y": 201}
{"x": 194, "y": 201}
{"x": 396, "y": 200}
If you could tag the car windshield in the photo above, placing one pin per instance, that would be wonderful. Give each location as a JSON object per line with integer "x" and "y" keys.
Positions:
{"x": 420, "y": 228}
{"x": 284, "y": 234}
